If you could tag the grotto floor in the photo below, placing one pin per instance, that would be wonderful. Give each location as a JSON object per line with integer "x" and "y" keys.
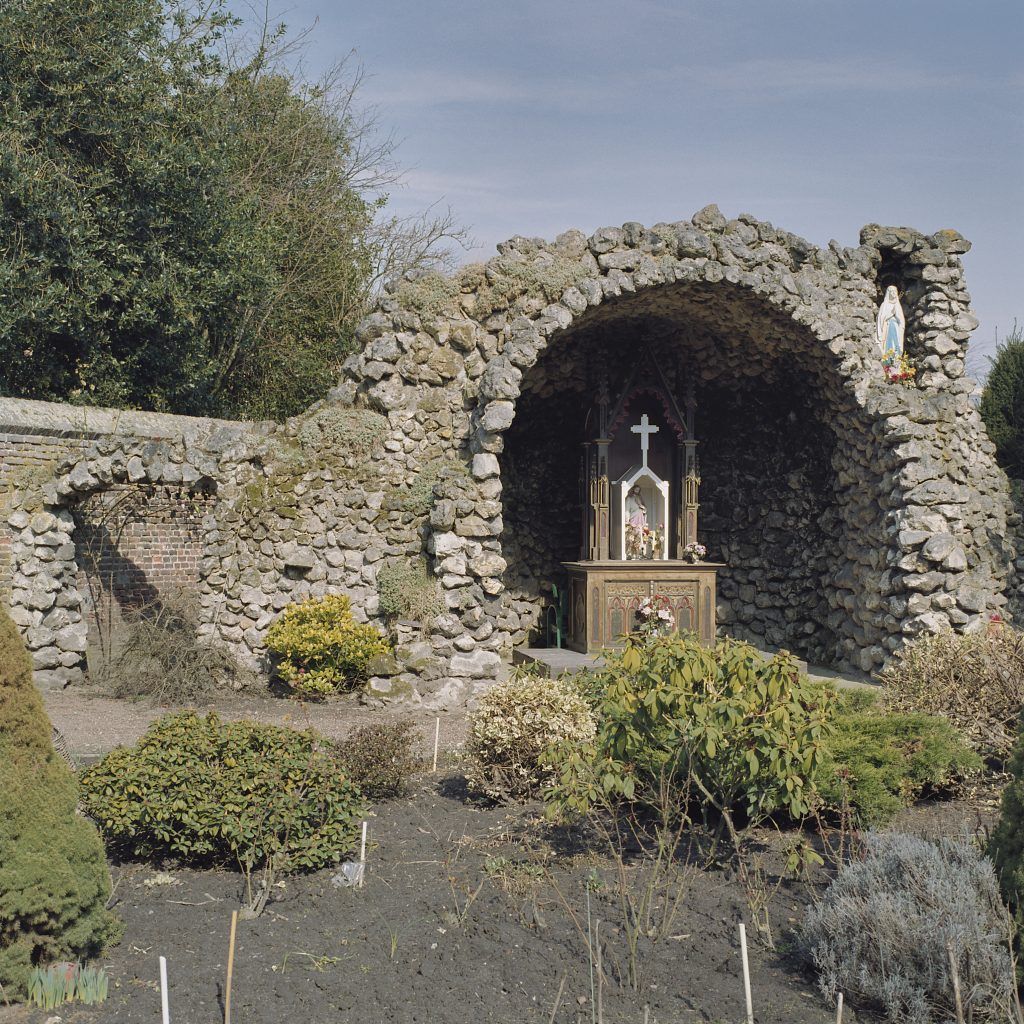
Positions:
{"x": 470, "y": 913}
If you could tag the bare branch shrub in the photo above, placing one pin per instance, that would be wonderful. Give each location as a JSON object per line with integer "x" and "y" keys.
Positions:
{"x": 975, "y": 680}
{"x": 161, "y": 656}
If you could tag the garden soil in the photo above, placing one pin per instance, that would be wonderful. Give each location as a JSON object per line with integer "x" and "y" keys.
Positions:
{"x": 470, "y": 913}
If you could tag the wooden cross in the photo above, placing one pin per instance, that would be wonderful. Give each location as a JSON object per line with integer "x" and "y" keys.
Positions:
{"x": 644, "y": 428}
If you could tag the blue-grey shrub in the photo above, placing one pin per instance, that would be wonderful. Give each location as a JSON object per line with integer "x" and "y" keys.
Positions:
{"x": 880, "y": 933}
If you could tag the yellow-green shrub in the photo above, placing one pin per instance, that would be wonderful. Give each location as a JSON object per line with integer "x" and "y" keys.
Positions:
{"x": 877, "y": 762}
{"x": 54, "y": 882}
{"x": 320, "y": 647}
{"x": 240, "y": 793}
{"x": 514, "y": 725}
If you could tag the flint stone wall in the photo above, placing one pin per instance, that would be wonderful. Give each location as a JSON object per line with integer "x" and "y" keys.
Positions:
{"x": 852, "y": 513}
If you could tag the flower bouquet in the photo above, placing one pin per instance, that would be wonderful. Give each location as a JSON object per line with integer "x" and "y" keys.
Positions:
{"x": 655, "y": 616}
{"x": 694, "y": 552}
{"x": 898, "y": 370}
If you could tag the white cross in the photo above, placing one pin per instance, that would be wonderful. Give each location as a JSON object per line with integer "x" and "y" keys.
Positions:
{"x": 644, "y": 428}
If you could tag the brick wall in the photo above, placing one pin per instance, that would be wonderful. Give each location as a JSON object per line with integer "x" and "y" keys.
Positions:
{"x": 137, "y": 548}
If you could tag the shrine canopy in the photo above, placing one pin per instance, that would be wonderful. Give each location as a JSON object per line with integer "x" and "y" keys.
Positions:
{"x": 640, "y": 520}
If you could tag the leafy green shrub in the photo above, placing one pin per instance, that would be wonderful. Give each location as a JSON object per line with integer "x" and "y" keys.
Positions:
{"x": 881, "y": 932}
{"x": 54, "y": 882}
{"x": 512, "y": 729}
{"x": 975, "y": 680}
{"x": 207, "y": 791}
{"x": 380, "y": 759}
{"x": 877, "y": 762}
{"x": 320, "y": 647}
{"x": 745, "y": 731}
{"x": 408, "y": 590}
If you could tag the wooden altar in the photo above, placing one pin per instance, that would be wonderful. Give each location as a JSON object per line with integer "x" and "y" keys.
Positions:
{"x": 604, "y": 598}
{"x": 639, "y": 487}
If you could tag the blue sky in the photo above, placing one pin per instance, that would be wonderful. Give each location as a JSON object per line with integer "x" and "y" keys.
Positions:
{"x": 530, "y": 117}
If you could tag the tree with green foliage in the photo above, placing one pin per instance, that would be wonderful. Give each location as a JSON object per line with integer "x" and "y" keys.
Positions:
{"x": 1002, "y": 403}
{"x": 1006, "y": 846}
{"x": 184, "y": 226}
{"x": 54, "y": 882}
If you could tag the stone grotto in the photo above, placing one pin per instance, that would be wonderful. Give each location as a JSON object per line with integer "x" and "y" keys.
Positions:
{"x": 844, "y": 511}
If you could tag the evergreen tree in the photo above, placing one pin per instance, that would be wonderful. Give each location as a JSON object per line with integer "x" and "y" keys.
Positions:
{"x": 1006, "y": 845}
{"x": 54, "y": 882}
{"x": 1002, "y": 404}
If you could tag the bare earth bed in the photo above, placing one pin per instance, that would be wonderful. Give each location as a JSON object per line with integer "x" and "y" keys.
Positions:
{"x": 470, "y": 913}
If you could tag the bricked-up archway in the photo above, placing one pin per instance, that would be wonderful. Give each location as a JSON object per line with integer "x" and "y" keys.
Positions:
{"x": 117, "y": 530}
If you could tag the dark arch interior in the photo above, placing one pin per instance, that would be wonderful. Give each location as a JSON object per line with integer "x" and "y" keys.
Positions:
{"x": 768, "y": 454}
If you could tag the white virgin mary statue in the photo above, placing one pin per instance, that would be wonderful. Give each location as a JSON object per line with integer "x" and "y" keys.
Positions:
{"x": 891, "y": 324}
{"x": 636, "y": 508}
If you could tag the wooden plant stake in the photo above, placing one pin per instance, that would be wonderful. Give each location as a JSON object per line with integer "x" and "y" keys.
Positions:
{"x": 362, "y": 857}
{"x": 600, "y": 974}
{"x": 437, "y": 740}
{"x": 839, "y": 1008}
{"x": 165, "y": 1011}
{"x": 558, "y": 1000}
{"x": 954, "y": 973}
{"x": 590, "y": 951}
{"x": 746, "y": 973}
{"x": 231, "y": 968}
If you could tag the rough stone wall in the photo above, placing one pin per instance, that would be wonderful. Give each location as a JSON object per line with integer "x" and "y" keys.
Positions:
{"x": 37, "y": 437}
{"x": 77, "y": 558}
{"x": 883, "y": 517}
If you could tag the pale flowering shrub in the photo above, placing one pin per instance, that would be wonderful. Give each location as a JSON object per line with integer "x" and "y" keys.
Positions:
{"x": 513, "y": 728}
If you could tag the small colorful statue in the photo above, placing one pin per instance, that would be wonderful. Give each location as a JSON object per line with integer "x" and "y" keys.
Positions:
{"x": 891, "y": 325}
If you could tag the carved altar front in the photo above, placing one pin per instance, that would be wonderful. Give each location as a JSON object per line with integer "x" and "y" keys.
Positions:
{"x": 604, "y": 598}
{"x": 639, "y": 488}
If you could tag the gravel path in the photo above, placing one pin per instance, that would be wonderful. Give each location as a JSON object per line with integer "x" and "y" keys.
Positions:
{"x": 93, "y": 724}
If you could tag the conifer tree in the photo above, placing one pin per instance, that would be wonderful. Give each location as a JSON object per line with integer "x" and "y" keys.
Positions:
{"x": 54, "y": 881}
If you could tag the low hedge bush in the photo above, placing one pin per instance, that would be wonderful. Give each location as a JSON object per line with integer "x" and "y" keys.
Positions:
{"x": 321, "y": 649}
{"x": 740, "y": 730}
{"x": 976, "y": 680}
{"x": 881, "y": 932}
{"x": 54, "y": 882}
{"x": 201, "y": 790}
{"x": 380, "y": 759}
{"x": 878, "y": 762}
{"x": 512, "y": 729}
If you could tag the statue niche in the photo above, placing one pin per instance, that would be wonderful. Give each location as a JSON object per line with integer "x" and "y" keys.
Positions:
{"x": 639, "y": 498}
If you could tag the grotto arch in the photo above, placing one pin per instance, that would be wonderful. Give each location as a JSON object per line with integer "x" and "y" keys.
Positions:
{"x": 778, "y": 427}
{"x": 914, "y": 496}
